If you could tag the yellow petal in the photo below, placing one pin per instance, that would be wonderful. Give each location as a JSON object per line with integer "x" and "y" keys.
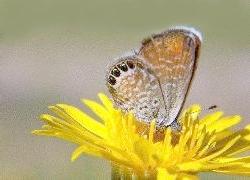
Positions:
{"x": 85, "y": 120}
{"x": 242, "y": 160}
{"x": 84, "y": 149}
{"x": 143, "y": 150}
{"x": 151, "y": 131}
{"x": 240, "y": 146}
{"x": 99, "y": 110}
{"x": 234, "y": 170}
{"x": 192, "y": 166}
{"x": 221, "y": 135}
{"x": 163, "y": 174}
{"x": 226, "y": 147}
{"x": 224, "y": 123}
{"x": 106, "y": 102}
{"x": 59, "y": 123}
{"x": 210, "y": 118}
{"x": 184, "y": 176}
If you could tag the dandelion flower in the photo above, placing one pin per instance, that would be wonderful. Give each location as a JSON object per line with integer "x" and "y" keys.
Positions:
{"x": 136, "y": 150}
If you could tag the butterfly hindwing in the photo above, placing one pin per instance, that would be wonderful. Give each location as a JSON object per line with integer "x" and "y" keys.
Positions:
{"x": 134, "y": 88}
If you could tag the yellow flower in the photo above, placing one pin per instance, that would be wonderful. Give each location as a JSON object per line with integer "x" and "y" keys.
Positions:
{"x": 203, "y": 145}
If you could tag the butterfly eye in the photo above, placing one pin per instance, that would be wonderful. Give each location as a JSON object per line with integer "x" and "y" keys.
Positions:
{"x": 130, "y": 64}
{"x": 111, "y": 80}
{"x": 115, "y": 72}
{"x": 123, "y": 67}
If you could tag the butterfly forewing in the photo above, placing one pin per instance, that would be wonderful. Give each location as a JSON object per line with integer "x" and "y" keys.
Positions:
{"x": 172, "y": 56}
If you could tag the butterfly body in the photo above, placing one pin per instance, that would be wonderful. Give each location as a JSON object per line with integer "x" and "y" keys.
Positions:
{"x": 153, "y": 83}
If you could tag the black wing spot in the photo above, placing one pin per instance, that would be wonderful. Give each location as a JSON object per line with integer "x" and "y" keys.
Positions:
{"x": 116, "y": 72}
{"x": 111, "y": 80}
{"x": 123, "y": 67}
{"x": 130, "y": 64}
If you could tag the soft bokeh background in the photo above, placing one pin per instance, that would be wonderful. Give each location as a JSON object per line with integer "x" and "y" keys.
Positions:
{"x": 57, "y": 51}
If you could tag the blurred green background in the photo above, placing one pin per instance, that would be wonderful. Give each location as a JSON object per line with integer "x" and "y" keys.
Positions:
{"x": 58, "y": 51}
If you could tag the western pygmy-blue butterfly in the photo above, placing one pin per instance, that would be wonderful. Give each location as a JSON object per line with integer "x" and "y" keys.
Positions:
{"x": 154, "y": 82}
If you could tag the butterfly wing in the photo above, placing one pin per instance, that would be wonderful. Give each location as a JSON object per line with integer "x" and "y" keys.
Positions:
{"x": 134, "y": 88}
{"x": 172, "y": 56}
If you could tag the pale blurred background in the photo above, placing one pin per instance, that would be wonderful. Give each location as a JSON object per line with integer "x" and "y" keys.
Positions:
{"x": 58, "y": 51}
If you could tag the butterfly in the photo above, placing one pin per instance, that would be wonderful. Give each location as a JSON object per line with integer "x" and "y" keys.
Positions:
{"x": 153, "y": 83}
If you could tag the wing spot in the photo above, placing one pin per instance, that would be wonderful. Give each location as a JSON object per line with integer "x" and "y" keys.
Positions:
{"x": 123, "y": 67}
{"x": 112, "y": 80}
{"x": 130, "y": 64}
{"x": 116, "y": 72}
